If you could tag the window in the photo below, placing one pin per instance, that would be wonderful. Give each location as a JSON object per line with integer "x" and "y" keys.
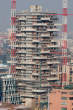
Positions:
{"x": 64, "y": 98}
{"x": 63, "y": 103}
{"x": 63, "y": 108}
{"x": 64, "y": 92}
{"x": 71, "y": 98}
{"x": 71, "y": 93}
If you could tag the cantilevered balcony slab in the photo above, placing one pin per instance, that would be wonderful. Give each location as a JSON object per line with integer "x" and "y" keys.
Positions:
{"x": 52, "y": 78}
{"x": 35, "y": 41}
{"x": 51, "y": 30}
{"x": 21, "y": 52}
{"x": 45, "y": 19}
{"x": 28, "y": 30}
{"x": 12, "y": 62}
{"x": 35, "y": 74}
{"x": 45, "y": 52}
{"x": 39, "y": 24}
{"x": 38, "y": 91}
{"x": 45, "y": 36}
{"x": 27, "y": 63}
{"x": 52, "y": 62}
{"x": 52, "y": 46}
{"x": 20, "y": 67}
{"x": 20, "y": 35}
{"x": 22, "y": 19}
{"x": 45, "y": 68}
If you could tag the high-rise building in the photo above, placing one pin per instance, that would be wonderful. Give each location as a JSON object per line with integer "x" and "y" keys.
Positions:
{"x": 36, "y": 49}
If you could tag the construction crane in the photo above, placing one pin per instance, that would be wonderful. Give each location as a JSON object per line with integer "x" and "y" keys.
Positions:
{"x": 64, "y": 43}
{"x": 13, "y": 35}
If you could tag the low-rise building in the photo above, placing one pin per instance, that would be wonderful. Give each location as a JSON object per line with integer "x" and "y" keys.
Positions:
{"x": 8, "y": 90}
{"x": 61, "y": 99}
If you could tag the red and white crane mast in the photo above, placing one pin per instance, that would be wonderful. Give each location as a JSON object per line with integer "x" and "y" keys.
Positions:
{"x": 64, "y": 42}
{"x": 13, "y": 35}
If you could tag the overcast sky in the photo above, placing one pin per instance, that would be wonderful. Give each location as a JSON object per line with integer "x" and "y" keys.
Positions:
{"x": 52, "y": 5}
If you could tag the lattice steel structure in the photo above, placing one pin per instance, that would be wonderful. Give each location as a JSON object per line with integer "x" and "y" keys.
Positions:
{"x": 13, "y": 35}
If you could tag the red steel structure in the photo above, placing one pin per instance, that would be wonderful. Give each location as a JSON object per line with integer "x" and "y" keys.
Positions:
{"x": 64, "y": 43}
{"x": 13, "y": 35}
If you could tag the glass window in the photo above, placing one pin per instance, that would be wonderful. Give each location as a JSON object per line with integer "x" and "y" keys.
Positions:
{"x": 63, "y": 108}
{"x": 64, "y": 92}
{"x": 71, "y": 98}
{"x": 71, "y": 93}
{"x": 64, "y": 98}
{"x": 63, "y": 103}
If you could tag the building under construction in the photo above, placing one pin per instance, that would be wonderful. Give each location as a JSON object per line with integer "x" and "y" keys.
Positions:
{"x": 36, "y": 63}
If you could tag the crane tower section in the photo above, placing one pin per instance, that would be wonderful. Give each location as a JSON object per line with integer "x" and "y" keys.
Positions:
{"x": 64, "y": 42}
{"x": 13, "y": 35}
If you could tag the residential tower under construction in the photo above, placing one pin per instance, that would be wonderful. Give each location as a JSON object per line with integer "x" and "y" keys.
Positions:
{"x": 36, "y": 63}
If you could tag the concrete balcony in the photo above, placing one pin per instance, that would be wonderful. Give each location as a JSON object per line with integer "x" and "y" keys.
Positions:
{"x": 27, "y": 95}
{"x": 45, "y": 35}
{"x": 45, "y": 68}
{"x": 45, "y": 19}
{"x": 54, "y": 40}
{"x": 20, "y": 84}
{"x": 29, "y": 80}
{"x": 52, "y": 78}
{"x": 38, "y": 91}
{"x": 52, "y": 62}
{"x": 40, "y": 58}
{"x": 20, "y": 45}
{"x": 21, "y": 68}
{"x": 12, "y": 62}
{"x": 22, "y": 19}
{"x": 35, "y": 41}
{"x": 53, "y": 73}
{"x": 39, "y": 24}
{"x": 27, "y": 62}
{"x": 25, "y": 46}
{"x": 35, "y": 74}
{"x": 28, "y": 29}
{"x": 43, "y": 85}
{"x": 36, "y": 58}
{"x": 45, "y": 52}
{"x": 52, "y": 46}
{"x": 30, "y": 46}
{"x": 43, "y": 58}
{"x": 54, "y": 29}
{"x": 20, "y": 35}
{"x": 21, "y": 52}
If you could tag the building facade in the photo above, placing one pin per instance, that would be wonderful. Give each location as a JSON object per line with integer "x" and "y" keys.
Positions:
{"x": 36, "y": 43}
{"x": 8, "y": 90}
{"x": 61, "y": 99}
